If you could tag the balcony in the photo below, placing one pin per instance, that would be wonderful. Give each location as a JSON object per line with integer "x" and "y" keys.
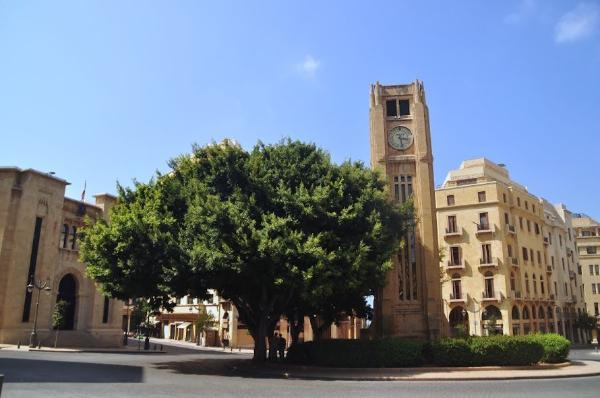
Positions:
{"x": 491, "y": 296}
{"x": 511, "y": 229}
{"x": 515, "y": 295}
{"x": 462, "y": 298}
{"x": 513, "y": 261}
{"x": 484, "y": 229}
{"x": 549, "y": 269}
{"x": 452, "y": 232}
{"x": 455, "y": 265}
{"x": 488, "y": 262}
{"x": 546, "y": 241}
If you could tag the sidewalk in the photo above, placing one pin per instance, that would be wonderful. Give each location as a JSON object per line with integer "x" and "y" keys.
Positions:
{"x": 546, "y": 371}
{"x": 193, "y": 346}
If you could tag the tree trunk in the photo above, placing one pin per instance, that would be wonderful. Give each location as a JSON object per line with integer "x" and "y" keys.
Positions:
{"x": 295, "y": 331}
{"x": 316, "y": 331}
{"x": 260, "y": 346}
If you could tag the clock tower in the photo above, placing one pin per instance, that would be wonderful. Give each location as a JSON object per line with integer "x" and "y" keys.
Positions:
{"x": 410, "y": 303}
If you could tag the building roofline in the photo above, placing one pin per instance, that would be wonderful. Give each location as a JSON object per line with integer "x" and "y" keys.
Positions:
{"x": 83, "y": 203}
{"x": 34, "y": 171}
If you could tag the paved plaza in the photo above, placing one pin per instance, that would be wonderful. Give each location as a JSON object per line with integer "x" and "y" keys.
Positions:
{"x": 189, "y": 371}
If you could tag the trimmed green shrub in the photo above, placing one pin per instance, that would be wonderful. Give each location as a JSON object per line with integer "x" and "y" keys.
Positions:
{"x": 450, "y": 352}
{"x": 390, "y": 352}
{"x": 556, "y": 347}
{"x": 486, "y": 351}
{"x": 505, "y": 351}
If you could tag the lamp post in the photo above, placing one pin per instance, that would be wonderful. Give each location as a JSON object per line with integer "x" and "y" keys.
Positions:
{"x": 39, "y": 286}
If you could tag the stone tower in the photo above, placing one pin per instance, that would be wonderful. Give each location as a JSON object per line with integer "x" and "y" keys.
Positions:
{"x": 410, "y": 303}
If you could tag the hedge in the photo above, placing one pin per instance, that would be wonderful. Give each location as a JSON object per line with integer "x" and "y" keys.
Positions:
{"x": 556, "y": 347}
{"x": 497, "y": 350}
{"x": 390, "y": 352}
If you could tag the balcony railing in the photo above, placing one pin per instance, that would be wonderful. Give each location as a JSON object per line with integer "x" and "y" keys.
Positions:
{"x": 452, "y": 232}
{"x": 549, "y": 269}
{"x": 490, "y": 296}
{"x": 511, "y": 229}
{"x": 516, "y": 295}
{"x": 484, "y": 228}
{"x": 513, "y": 261}
{"x": 488, "y": 262}
{"x": 457, "y": 298}
{"x": 546, "y": 240}
{"x": 455, "y": 265}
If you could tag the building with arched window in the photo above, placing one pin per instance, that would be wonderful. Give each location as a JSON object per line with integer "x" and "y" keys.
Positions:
{"x": 39, "y": 230}
{"x": 511, "y": 252}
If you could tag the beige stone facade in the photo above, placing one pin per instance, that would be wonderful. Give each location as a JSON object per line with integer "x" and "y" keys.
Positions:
{"x": 409, "y": 304}
{"x": 509, "y": 263}
{"x": 38, "y": 242}
{"x": 587, "y": 232}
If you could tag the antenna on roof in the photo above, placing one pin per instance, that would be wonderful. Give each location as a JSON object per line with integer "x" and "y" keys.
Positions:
{"x": 501, "y": 165}
{"x": 51, "y": 173}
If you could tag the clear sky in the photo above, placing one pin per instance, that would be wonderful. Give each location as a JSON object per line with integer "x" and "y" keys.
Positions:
{"x": 110, "y": 90}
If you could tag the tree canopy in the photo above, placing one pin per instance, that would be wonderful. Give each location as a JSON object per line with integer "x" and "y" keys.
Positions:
{"x": 278, "y": 230}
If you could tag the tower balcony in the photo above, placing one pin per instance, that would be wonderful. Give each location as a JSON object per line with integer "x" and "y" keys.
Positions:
{"x": 484, "y": 229}
{"x": 491, "y": 297}
{"x": 455, "y": 265}
{"x": 489, "y": 262}
{"x": 460, "y": 298}
{"x": 452, "y": 232}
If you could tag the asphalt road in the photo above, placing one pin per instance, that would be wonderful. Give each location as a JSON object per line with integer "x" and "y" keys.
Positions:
{"x": 192, "y": 373}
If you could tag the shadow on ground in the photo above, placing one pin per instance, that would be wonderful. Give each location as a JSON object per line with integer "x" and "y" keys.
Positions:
{"x": 18, "y": 370}
{"x": 218, "y": 367}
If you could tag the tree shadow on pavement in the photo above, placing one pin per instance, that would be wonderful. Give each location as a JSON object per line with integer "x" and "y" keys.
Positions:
{"x": 42, "y": 371}
{"x": 218, "y": 367}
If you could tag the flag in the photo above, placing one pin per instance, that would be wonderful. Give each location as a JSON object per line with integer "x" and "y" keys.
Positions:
{"x": 83, "y": 193}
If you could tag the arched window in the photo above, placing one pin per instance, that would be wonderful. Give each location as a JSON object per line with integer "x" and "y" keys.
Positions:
{"x": 525, "y": 312}
{"x": 533, "y": 313}
{"x": 67, "y": 292}
{"x": 64, "y": 236}
{"x": 459, "y": 321}
{"x": 541, "y": 313}
{"x": 456, "y": 287}
{"x": 491, "y": 311}
{"x": 550, "y": 313}
{"x": 515, "y": 312}
{"x": 513, "y": 285}
{"x": 534, "y": 284}
{"x": 489, "y": 285}
{"x": 526, "y": 282}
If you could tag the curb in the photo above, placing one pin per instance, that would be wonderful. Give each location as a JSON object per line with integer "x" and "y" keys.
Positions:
{"x": 291, "y": 374}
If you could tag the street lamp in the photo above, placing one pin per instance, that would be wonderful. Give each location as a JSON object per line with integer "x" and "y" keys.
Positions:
{"x": 39, "y": 286}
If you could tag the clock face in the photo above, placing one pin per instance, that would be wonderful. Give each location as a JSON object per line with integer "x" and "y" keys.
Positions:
{"x": 400, "y": 138}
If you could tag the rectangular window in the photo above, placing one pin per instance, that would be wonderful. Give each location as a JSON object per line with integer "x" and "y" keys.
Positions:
{"x": 528, "y": 226}
{"x": 560, "y": 239}
{"x": 531, "y": 256}
{"x": 552, "y": 260}
{"x": 506, "y": 219}
{"x": 105, "y": 309}
{"x": 455, "y": 255}
{"x": 64, "y": 236}
{"x": 452, "y": 228}
{"x": 404, "y": 107}
{"x": 518, "y": 201}
{"x": 450, "y": 200}
{"x": 539, "y": 257}
{"x": 533, "y": 208}
{"x": 504, "y": 197}
{"x": 596, "y": 309}
{"x": 484, "y": 223}
{"x": 510, "y": 250}
{"x": 521, "y": 223}
{"x": 35, "y": 244}
{"x": 486, "y": 254}
{"x": 597, "y": 268}
{"x": 481, "y": 196}
{"x": 74, "y": 238}
{"x": 594, "y": 288}
{"x": 402, "y": 188}
{"x": 591, "y": 269}
{"x": 537, "y": 229}
{"x": 526, "y": 205}
{"x": 525, "y": 254}
{"x": 390, "y": 108}
{"x": 590, "y": 250}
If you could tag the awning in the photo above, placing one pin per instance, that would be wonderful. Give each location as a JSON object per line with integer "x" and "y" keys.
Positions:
{"x": 184, "y": 325}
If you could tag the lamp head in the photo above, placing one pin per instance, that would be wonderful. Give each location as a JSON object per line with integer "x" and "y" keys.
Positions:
{"x": 30, "y": 287}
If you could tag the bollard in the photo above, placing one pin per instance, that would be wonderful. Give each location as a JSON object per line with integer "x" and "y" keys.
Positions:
{"x": 39, "y": 345}
{"x": 161, "y": 347}
{"x": 18, "y": 344}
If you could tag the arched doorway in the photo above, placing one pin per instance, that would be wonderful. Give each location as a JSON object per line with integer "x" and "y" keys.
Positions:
{"x": 492, "y": 320}
{"x": 459, "y": 322}
{"x": 67, "y": 292}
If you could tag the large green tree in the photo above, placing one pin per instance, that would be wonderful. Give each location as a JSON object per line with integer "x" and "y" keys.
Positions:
{"x": 275, "y": 230}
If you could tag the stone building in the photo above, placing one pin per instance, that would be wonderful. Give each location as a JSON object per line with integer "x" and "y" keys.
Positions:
{"x": 509, "y": 261}
{"x": 409, "y": 304}
{"x": 587, "y": 234}
{"x": 39, "y": 244}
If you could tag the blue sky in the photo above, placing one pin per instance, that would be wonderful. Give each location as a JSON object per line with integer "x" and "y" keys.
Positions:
{"x": 110, "y": 90}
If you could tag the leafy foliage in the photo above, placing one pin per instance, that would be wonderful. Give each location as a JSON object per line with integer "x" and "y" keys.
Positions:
{"x": 59, "y": 314}
{"x": 556, "y": 347}
{"x": 277, "y": 230}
